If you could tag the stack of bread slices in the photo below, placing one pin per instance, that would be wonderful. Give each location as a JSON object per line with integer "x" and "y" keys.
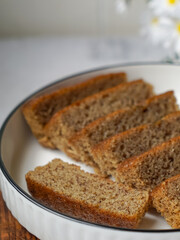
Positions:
{"x": 121, "y": 129}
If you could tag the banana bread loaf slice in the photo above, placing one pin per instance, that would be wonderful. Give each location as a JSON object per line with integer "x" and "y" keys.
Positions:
{"x": 109, "y": 153}
{"x": 38, "y": 111}
{"x": 151, "y": 110}
{"x": 149, "y": 169}
{"x": 69, "y": 190}
{"x": 166, "y": 199}
{"x": 73, "y": 118}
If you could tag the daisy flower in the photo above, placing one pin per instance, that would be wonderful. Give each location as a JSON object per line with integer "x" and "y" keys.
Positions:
{"x": 165, "y": 32}
{"x": 174, "y": 40}
{"x": 156, "y": 29}
{"x": 165, "y": 7}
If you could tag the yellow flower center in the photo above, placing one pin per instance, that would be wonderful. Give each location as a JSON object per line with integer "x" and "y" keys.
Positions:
{"x": 155, "y": 21}
{"x": 171, "y": 2}
{"x": 178, "y": 27}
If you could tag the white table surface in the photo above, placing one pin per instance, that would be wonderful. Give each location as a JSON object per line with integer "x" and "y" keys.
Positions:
{"x": 27, "y": 64}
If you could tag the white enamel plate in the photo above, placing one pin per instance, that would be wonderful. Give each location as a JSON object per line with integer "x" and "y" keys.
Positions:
{"x": 20, "y": 152}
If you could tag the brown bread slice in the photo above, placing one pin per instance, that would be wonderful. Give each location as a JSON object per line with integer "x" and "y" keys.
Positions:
{"x": 149, "y": 169}
{"x": 151, "y": 110}
{"x": 73, "y": 118}
{"x": 38, "y": 111}
{"x": 109, "y": 153}
{"x": 69, "y": 190}
{"x": 166, "y": 199}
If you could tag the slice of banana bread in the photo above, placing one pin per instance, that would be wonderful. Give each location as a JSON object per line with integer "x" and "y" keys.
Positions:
{"x": 166, "y": 199}
{"x": 109, "y": 153}
{"x": 149, "y": 169}
{"x": 73, "y": 118}
{"x": 69, "y": 190}
{"x": 151, "y": 110}
{"x": 38, "y": 111}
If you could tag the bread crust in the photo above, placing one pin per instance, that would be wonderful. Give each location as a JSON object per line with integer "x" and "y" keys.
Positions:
{"x": 63, "y": 121}
{"x": 165, "y": 129}
{"x": 166, "y": 203}
{"x": 60, "y": 98}
{"x": 163, "y": 104}
{"x": 131, "y": 172}
{"x": 77, "y": 209}
{"x": 81, "y": 209}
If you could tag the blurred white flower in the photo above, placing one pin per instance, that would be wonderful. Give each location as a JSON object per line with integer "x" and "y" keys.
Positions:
{"x": 121, "y": 5}
{"x": 163, "y": 31}
{"x": 162, "y": 25}
{"x": 165, "y": 7}
{"x": 174, "y": 41}
{"x": 156, "y": 29}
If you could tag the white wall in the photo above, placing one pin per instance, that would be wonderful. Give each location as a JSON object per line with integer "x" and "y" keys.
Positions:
{"x": 67, "y": 17}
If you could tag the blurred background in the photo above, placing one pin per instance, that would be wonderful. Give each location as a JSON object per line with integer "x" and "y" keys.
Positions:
{"x": 42, "y": 40}
{"x": 19, "y": 18}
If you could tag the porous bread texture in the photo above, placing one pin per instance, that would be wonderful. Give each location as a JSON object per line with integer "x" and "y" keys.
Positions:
{"x": 149, "y": 169}
{"x": 81, "y": 144}
{"x": 39, "y": 111}
{"x": 73, "y": 118}
{"x": 71, "y": 191}
{"x": 109, "y": 153}
{"x": 166, "y": 199}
